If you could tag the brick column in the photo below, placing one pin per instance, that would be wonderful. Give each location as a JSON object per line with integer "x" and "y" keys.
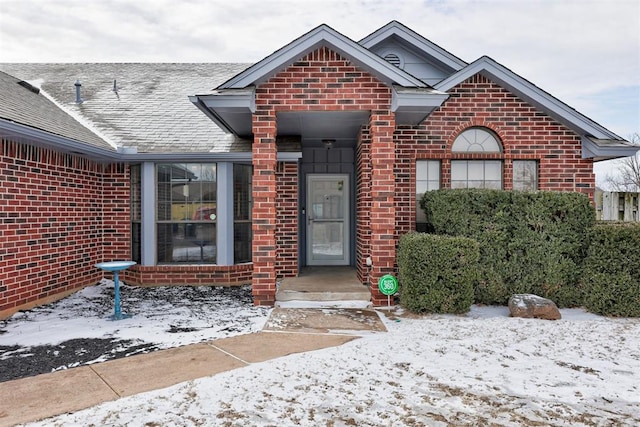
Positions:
{"x": 264, "y": 206}
{"x": 383, "y": 214}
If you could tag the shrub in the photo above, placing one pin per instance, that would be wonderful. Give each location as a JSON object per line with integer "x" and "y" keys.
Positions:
{"x": 612, "y": 270}
{"x": 530, "y": 242}
{"x": 437, "y": 273}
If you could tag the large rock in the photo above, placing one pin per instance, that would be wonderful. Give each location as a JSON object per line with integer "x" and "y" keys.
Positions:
{"x": 532, "y": 306}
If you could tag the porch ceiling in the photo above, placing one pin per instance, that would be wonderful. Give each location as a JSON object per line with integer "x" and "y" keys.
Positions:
{"x": 232, "y": 110}
{"x": 314, "y": 126}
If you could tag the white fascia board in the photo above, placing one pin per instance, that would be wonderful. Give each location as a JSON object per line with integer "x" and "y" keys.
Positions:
{"x": 394, "y": 28}
{"x": 211, "y": 114}
{"x": 414, "y": 97}
{"x": 530, "y": 93}
{"x": 316, "y": 38}
{"x": 230, "y": 98}
{"x": 614, "y": 149}
{"x": 413, "y": 105}
{"x": 225, "y": 106}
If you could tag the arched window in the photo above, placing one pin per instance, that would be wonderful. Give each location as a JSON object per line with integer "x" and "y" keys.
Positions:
{"x": 476, "y": 173}
{"x": 476, "y": 140}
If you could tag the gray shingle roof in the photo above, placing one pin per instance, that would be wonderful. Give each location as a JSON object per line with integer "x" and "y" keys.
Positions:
{"x": 150, "y": 109}
{"x": 25, "y": 106}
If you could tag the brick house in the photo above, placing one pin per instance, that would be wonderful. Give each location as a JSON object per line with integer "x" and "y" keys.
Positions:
{"x": 314, "y": 156}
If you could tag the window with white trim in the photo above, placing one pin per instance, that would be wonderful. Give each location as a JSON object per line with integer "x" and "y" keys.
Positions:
{"x": 476, "y": 173}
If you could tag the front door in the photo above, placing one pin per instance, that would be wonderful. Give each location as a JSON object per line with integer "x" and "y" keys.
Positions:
{"x": 327, "y": 219}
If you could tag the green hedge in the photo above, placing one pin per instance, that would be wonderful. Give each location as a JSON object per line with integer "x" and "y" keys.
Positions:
{"x": 437, "y": 273}
{"x": 530, "y": 242}
{"x": 612, "y": 270}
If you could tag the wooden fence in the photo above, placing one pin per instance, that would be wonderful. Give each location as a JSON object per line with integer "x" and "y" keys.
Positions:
{"x": 617, "y": 206}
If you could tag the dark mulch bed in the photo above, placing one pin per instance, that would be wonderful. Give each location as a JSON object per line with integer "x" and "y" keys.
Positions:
{"x": 188, "y": 314}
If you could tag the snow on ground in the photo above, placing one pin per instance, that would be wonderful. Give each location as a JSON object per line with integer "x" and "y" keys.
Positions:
{"x": 480, "y": 369}
{"x": 77, "y": 330}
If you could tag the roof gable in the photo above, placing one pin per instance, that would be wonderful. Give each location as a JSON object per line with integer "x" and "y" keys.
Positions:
{"x": 322, "y": 36}
{"x": 396, "y": 33}
{"x": 530, "y": 93}
{"x": 597, "y": 141}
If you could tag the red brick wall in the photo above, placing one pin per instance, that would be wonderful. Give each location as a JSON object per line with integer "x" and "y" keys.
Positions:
{"x": 193, "y": 275}
{"x": 322, "y": 81}
{"x": 116, "y": 212}
{"x": 59, "y": 216}
{"x": 287, "y": 219}
{"x": 363, "y": 204}
{"x": 51, "y": 225}
{"x": 525, "y": 132}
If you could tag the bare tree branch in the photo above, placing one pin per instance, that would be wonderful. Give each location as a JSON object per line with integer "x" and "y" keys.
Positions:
{"x": 628, "y": 177}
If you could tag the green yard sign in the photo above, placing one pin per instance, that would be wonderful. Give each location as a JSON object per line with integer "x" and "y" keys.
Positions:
{"x": 388, "y": 284}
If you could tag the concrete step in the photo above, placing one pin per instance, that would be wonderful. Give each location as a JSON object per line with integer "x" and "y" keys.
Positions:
{"x": 301, "y": 295}
{"x": 323, "y": 284}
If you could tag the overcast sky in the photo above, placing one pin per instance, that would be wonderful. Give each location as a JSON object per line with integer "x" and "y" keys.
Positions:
{"x": 585, "y": 52}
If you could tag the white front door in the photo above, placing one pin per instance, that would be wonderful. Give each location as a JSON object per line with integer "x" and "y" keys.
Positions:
{"x": 328, "y": 219}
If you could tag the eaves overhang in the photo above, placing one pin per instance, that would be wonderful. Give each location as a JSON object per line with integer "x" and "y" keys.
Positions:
{"x": 412, "y": 105}
{"x": 27, "y": 134}
{"x": 235, "y": 157}
{"x": 607, "y": 149}
{"x": 230, "y": 109}
{"x": 322, "y": 36}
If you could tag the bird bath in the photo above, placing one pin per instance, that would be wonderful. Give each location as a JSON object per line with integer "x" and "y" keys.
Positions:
{"x": 115, "y": 267}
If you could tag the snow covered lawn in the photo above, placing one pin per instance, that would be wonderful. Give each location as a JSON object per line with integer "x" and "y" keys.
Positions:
{"x": 480, "y": 369}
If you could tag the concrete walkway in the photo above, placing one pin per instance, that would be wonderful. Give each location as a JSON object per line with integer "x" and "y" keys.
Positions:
{"x": 288, "y": 331}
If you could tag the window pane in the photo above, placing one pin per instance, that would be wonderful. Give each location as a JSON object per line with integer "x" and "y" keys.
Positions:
{"x": 186, "y": 213}
{"x": 459, "y": 170}
{"x": 525, "y": 175}
{"x": 193, "y": 243}
{"x": 476, "y": 174}
{"x": 495, "y": 185}
{"x": 242, "y": 192}
{"x": 476, "y": 140}
{"x": 242, "y": 250}
{"x": 242, "y": 242}
{"x": 475, "y": 171}
{"x": 427, "y": 179}
{"x": 493, "y": 170}
{"x": 136, "y": 213}
{"x": 136, "y": 242}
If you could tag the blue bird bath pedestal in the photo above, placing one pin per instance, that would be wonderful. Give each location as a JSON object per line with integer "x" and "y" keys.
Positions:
{"x": 115, "y": 267}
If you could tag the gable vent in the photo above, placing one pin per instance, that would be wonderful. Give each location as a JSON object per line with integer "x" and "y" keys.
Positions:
{"x": 393, "y": 59}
